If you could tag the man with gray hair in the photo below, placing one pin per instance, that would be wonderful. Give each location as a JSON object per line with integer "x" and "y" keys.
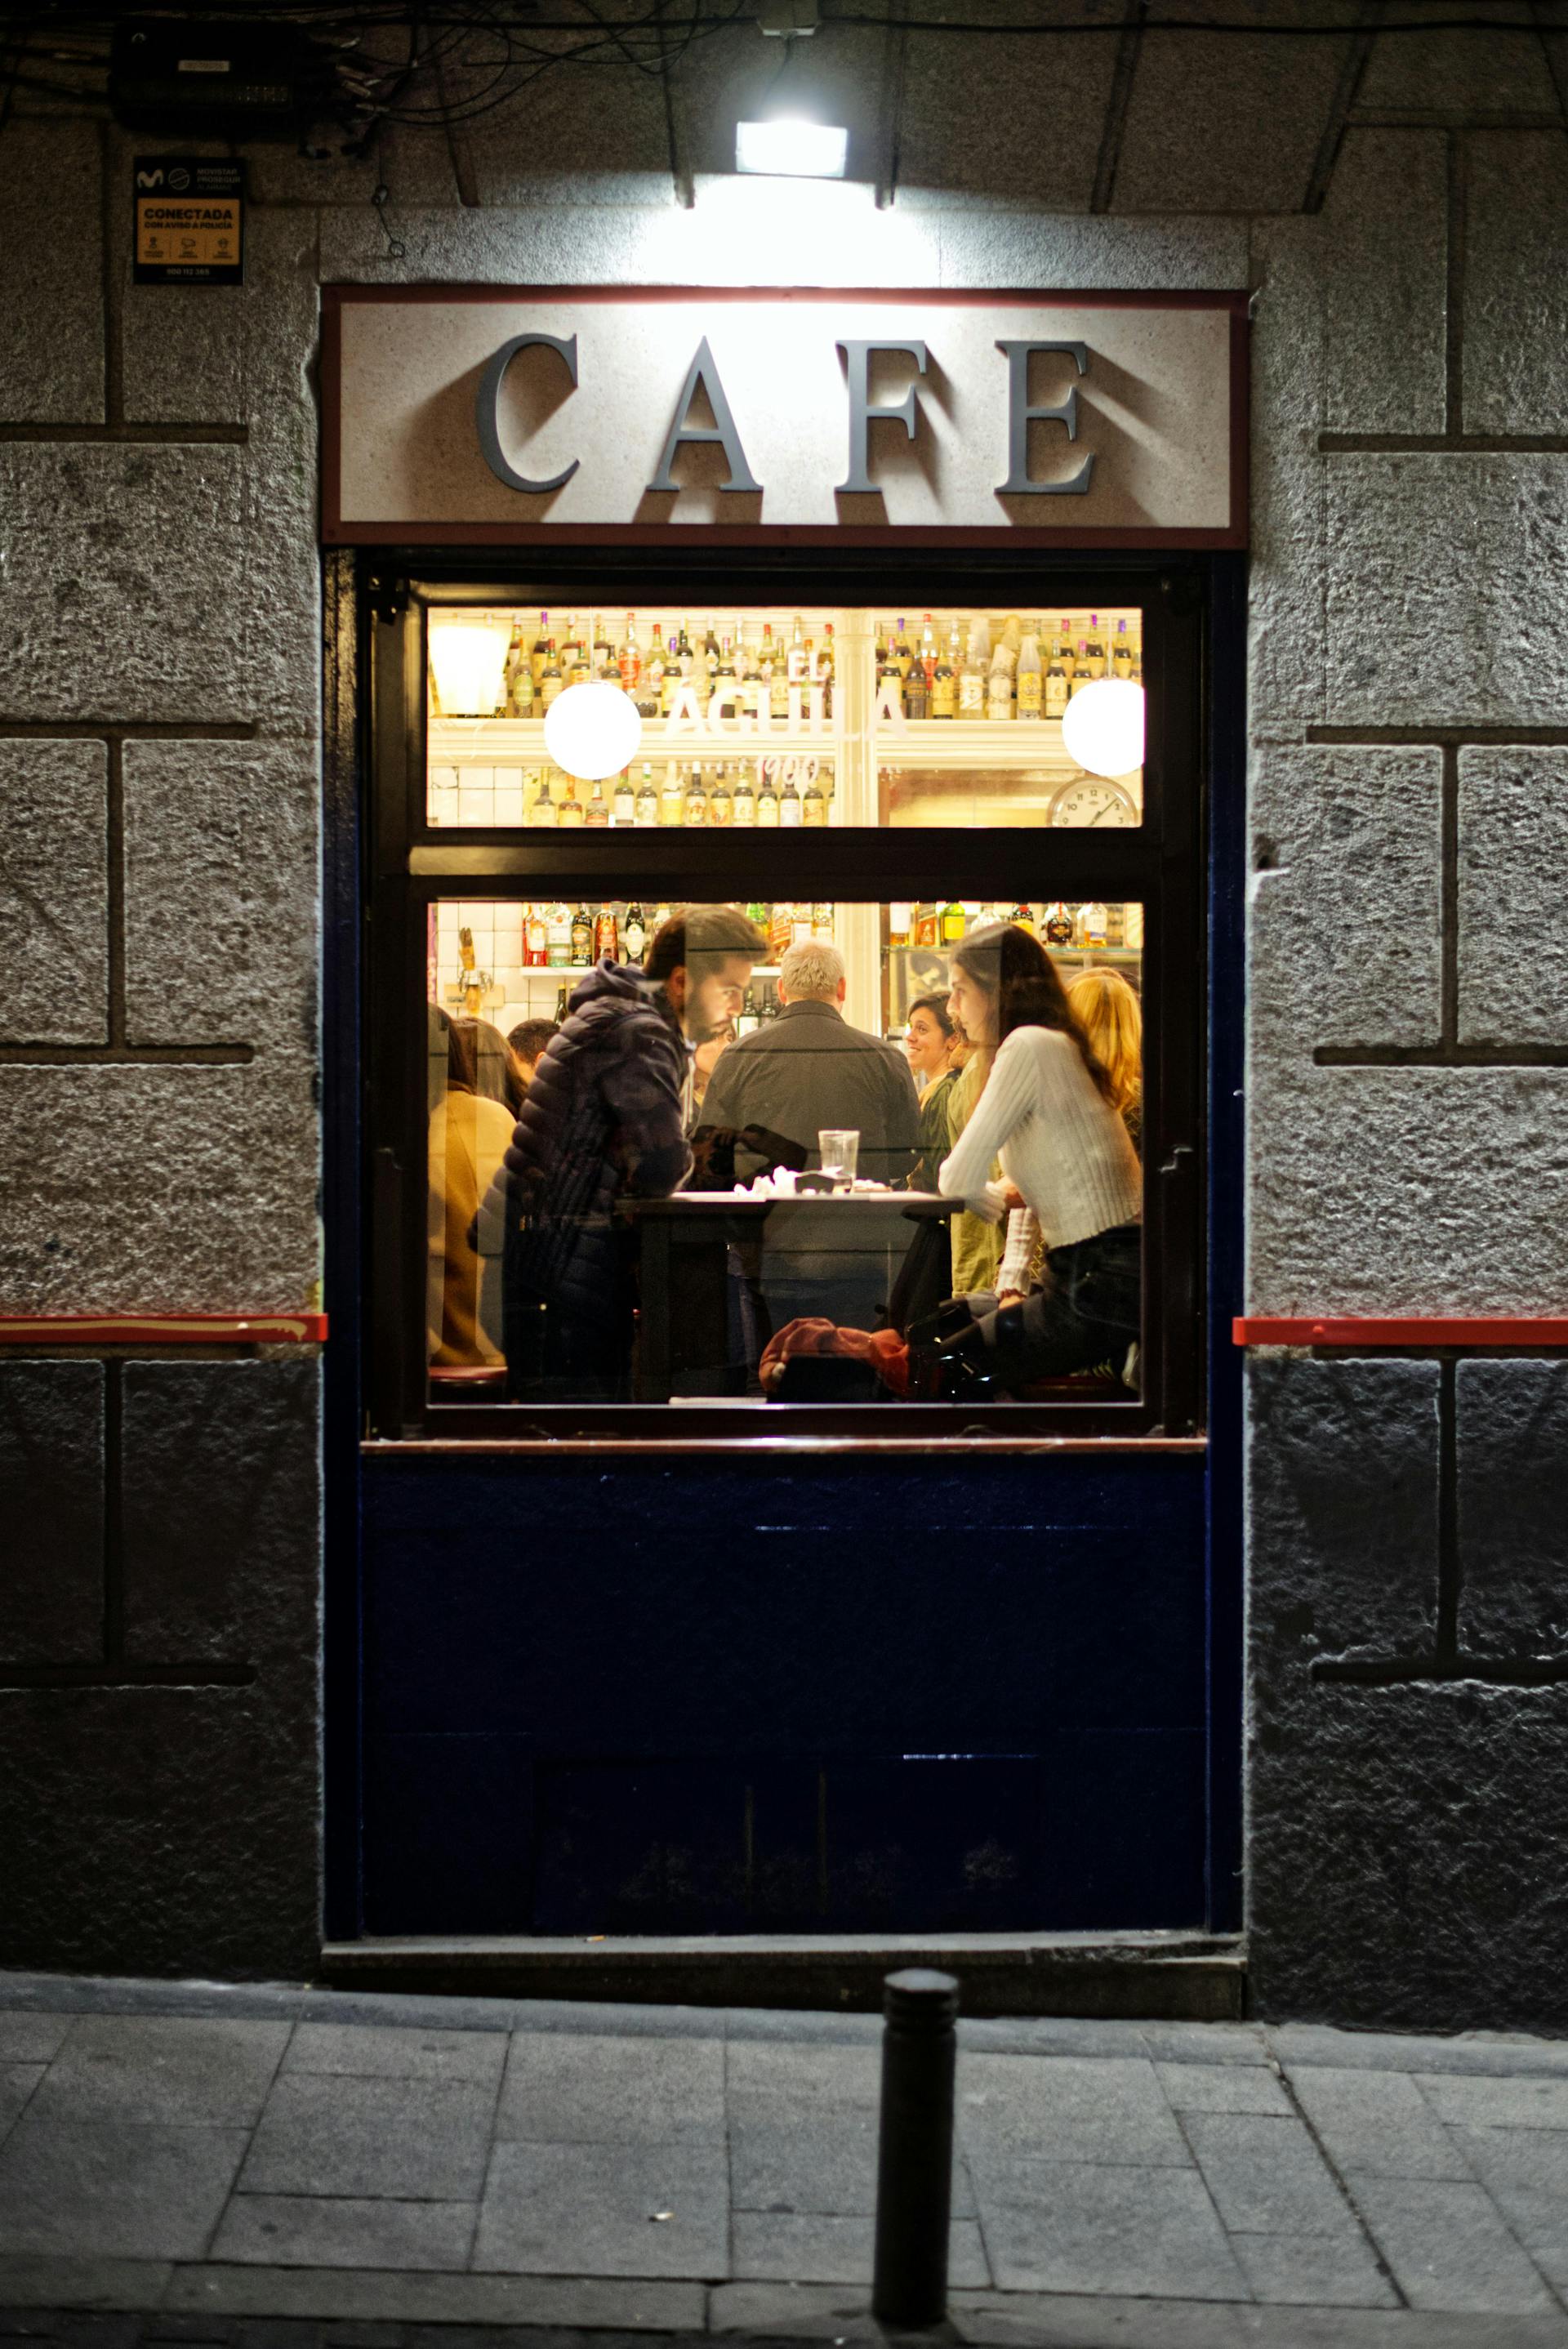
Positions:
{"x": 810, "y": 1068}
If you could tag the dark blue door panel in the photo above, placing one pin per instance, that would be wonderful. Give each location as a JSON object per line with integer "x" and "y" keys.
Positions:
{"x": 702, "y": 1698}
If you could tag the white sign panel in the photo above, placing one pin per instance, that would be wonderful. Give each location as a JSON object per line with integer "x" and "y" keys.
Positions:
{"x": 478, "y": 416}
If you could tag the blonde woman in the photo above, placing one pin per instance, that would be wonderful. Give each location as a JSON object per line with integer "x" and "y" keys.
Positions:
{"x": 1108, "y": 1010}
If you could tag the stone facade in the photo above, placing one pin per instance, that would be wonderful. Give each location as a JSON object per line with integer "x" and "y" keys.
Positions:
{"x": 1395, "y": 204}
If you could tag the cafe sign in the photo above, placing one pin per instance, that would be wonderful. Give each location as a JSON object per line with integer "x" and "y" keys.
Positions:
{"x": 489, "y": 415}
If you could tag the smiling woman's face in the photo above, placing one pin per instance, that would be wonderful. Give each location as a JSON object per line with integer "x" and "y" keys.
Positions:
{"x": 924, "y": 1043}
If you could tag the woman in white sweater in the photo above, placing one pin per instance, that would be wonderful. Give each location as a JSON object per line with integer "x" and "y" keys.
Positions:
{"x": 1046, "y": 1113}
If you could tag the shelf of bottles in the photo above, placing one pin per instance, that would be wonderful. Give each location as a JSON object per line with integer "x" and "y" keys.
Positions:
{"x": 504, "y": 961}
{"x": 760, "y": 719}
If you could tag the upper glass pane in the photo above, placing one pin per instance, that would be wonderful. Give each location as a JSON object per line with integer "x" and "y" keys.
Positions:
{"x": 761, "y": 718}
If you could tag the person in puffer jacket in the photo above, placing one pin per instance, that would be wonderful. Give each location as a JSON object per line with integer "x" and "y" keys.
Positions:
{"x": 604, "y": 1119}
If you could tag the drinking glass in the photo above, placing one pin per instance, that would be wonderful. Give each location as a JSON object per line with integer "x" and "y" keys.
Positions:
{"x": 838, "y": 1148}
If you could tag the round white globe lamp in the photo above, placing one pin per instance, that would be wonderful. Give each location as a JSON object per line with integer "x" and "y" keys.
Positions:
{"x": 592, "y": 730}
{"x": 1102, "y": 726}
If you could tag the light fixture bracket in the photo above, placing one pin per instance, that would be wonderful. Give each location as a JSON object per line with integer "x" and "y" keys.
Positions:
{"x": 787, "y": 20}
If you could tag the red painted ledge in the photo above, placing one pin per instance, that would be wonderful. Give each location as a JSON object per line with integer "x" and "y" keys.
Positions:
{"x": 1404, "y": 1330}
{"x": 162, "y": 1328}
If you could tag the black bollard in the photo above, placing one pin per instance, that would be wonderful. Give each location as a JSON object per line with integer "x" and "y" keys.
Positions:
{"x": 915, "y": 2153}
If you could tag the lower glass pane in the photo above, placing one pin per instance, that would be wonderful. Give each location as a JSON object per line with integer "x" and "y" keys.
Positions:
{"x": 784, "y": 1153}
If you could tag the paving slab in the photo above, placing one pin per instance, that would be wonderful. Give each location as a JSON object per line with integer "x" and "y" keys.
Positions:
{"x": 40, "y": 2280}
{"x": 177, "y": 2070}
{"x": 1069, "y": 2321}
{"x": 470, "y": 2058}
{"x": 800, "y": 2311}
{"x": 1337, "y": 2271}
{"x": 805, "y": 2247}
{"x": 315, "y": 2231}
{"x": 17, "y": 2083}
{"x": 1403, "y": 2328}
{"x": 828, "y": 2165}
{"x": 410, "y": 2139}
{"x": 1449, "y": 2249}
{"x": 770, "y": 2082}
{"x": 31, "y": 2038}
{"x": 1068, "y": 2109}
{"x": 1525, "y": 2171}
{"x": 1205, "y": 2043}
{"x": 1224, "y": 2089}
{"x": 1378, "y": 2123}
{"x": 1266, "y": 2176}
{"x": 1054, "y": 2226}
{"x": 1497, "y": 2054}
{"x": 68, "y": 1994}
{"x": 114, "y": 2190}
{"x": 410, "y": 2010}
{"x": 595, "y": 2210}
{"x": 592, "y": 2303}
{"x": 1515, "y": 2103}
{"x": 604, "y": 2090}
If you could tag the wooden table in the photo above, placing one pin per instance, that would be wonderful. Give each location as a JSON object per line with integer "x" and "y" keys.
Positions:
{"x": 682, "y": 1251}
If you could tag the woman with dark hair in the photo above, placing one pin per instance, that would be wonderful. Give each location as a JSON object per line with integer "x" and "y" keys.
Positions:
{"x": 1048, "y": 1113}
{"x": 928, "y": 1045}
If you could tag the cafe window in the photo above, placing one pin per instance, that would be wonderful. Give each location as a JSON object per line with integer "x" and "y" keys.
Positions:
{"x": 721, "y": 1187}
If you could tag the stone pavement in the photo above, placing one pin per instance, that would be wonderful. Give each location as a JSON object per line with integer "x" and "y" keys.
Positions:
{"x": 223, "y": 2159}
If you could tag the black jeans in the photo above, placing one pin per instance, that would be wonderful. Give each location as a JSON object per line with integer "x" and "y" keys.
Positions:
{"x": 1090, "y": 1310}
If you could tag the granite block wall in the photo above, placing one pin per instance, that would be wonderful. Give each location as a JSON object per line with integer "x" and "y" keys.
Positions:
{"x": 1394, "y": 203}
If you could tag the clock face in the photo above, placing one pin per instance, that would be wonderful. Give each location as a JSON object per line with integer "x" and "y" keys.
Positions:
{"x": 1092, "y": 801}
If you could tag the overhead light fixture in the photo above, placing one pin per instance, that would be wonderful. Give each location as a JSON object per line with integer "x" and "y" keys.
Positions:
{"x": 790, "y": 148}
{"x": 592, "y": 730}
{"x": 468, "y": 655}
{"x": 1102, "y": 726}
{"x": 786, "y": 141}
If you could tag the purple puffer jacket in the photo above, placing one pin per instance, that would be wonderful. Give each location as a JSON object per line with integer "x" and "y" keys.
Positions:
{"x": 601, "y": 1119}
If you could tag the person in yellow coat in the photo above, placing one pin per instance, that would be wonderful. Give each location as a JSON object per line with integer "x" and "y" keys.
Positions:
{"x": 471, "y": 1126}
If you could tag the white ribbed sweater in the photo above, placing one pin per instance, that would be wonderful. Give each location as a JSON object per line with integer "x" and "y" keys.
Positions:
{"x": 1058, "y": 1140}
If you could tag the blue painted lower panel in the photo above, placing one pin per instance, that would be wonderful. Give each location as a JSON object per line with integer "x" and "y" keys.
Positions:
{"x": 714, "y": 1699}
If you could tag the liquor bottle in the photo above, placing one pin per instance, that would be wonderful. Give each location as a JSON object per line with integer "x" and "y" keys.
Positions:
{"x": 750, "y": 679}
{"x": 1055, "y": 690}
{"x": 1009, "y": 645}
{"x": 672, "y": 797}
{"x": 795, "y": 670}
{"x": 684, "y": 653}
{"x": 901, "y": 650}
{"x": 1031, "y": 684}
{"x": 725, "y": 681}
{"x": 541, "y": 653}
{"x": 822, "y": 922}
{"x": 519, "y": 699}
{"x": 635, "y": 936}
{"x": 781, "y": 930}
{"x": 1057, "y": 923}
{"x": 721, "y": 804}
{"x": 747, "y": 1020}
{"x": 944, "y": 681}
{"x": 1082, "y": 674}
{"x": 953, "y": 922}
{"x": 898, "y": 925}
{"x": 558, "y": 935}
{"x": 582, "y": 938}
{"x": 792, "y": 813}
{"x": 760, "y": 915}
{"x": 889, "y": 679}
{"x": 1021, "y": 917}
{"x": 1121, "y": 652}
{"x": 536, "y": 950}
{"x": 1000, "y": 686}
{"x": 573, "y": 811}
{"x": 767, "y": 804}
{"x": 1089, "y": 929}
{"x": 743, "y": 809}
{"x": 976, "y": 670}
{"x": 630, "y": 661}
{"x": 543, "y": 815}
{"x": 552, "y": 683}
{"x": 779, "y": 692}
{"x": 917, "y": 684}
{"x": 694, "y": 810}
{"x": 624, "y": 806}
{"x": 646, "y": 801}
{"x": 673, "y": 680}
{"x": 516, "y": 655}
{"x": 606, "y": 934}
{"x": 651, "y": 685}
{"x": 606, "y": 665}
{"x": 596, "y": 816}
{"x": 561, "y": 1004}
{"x": 1064, "y": 651}
{"x": 813, "y": 806}
{"x": 1115, "y": 924}
{"x": 1096, "y": 649}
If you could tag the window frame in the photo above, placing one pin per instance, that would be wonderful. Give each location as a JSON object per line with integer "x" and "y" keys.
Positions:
{"x": 1162, "y": 863}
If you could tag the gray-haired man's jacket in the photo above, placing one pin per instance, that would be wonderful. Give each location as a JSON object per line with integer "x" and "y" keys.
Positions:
{"x": 808, "y": 1069}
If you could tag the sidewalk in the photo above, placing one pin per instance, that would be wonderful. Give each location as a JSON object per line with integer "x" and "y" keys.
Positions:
{"x": 215, "y": 2155}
